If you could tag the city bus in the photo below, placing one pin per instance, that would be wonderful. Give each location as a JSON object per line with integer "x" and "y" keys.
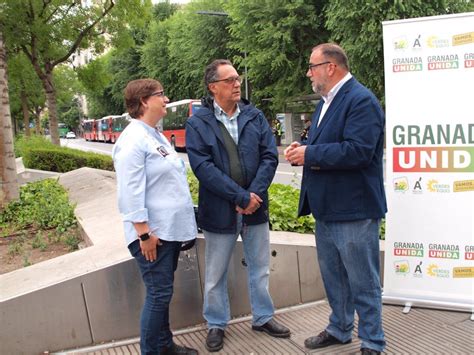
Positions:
{"x": 118, "y": 125}
{"x": 89, "y": 127}
{"x": 106, "y": 129}
{"x": 62, "y": 130}
{"x": 172, "y": 125}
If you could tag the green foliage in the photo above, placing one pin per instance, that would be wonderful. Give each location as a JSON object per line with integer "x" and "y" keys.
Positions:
{"x": 70, "y": 113}
{"x": 15, "y": 248}
{"x": 71, "y": 240}
{"x": 49, "y": 32}
{"x": 42, "y": 205}
{"x": 277, "y": 37}
{"x": 23, "y": 80}
{"x": 96, "y": 78}
{"x": 357, "y": 27}
{"x": 126, "y": 67}
{"x": 178, "y": 48}
{"x": 65, "y": 159}
{"x": 284, "y": 208}
{"x": 26, "y": 261}
{"x": 23, "y": 143}
{"x": 39, "y": 153}
{"x": 68, "y": 87}
{"x": 38, "y": 242}
{"x": 105, "y": 78}
{"x": 382, "y": 229}
{"x": 193, "y": 186}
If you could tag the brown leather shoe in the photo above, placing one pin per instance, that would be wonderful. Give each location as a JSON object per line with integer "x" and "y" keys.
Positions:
{"x": 273, "y": 328}
{"x": 322, "y": 340}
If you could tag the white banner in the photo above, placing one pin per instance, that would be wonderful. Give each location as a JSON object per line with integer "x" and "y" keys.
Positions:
{"x": 429, "y": 83}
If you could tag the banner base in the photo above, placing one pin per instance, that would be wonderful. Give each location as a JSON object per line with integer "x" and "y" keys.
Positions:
{"x": 408, "y": 303}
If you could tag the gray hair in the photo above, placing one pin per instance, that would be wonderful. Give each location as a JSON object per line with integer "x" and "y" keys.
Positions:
{"x": 335, "y": 53}
{"x": 210, "y": 74}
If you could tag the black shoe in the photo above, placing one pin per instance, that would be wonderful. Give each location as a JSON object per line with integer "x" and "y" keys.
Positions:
{"x": 176, "y": 349}
{"x": 273, "y": 328}
{"x": 366, "y": 351}
{"x": 322, "y": 340}
{"x": 215, "y": 339}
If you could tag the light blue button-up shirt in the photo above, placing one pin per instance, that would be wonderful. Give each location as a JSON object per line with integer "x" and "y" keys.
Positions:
{"x": 152, "y": 185}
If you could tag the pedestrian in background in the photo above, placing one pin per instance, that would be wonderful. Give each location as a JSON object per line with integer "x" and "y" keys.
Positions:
{"x": 305, "y": 131}
{"x": 232, "y": 152}
{"x": 157, "y": 210}
{"x": 342, "y": 187}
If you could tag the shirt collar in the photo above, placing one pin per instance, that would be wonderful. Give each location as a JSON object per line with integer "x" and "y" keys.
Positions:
{"x": 220, "y": 112}
{"x": 144, "y": 125}
{"x": 328, "y": 98}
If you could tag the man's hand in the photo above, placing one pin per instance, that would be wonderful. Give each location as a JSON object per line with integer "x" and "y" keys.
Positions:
{"x": 294, "y": 153}
{"x": 149, "y": 249}
{"x": 253, "y": 205}
{"x": 290, "y": 148}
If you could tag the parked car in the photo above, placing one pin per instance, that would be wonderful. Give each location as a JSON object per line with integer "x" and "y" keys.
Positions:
{"x": 70, "y": 135}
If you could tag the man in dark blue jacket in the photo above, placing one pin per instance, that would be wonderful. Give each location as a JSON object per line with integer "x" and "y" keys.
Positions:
{"x": 343, "y": 188}
{"x": 232, "y": 152}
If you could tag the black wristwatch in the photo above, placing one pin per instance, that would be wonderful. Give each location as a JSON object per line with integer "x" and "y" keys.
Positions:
{"x": 144, "y": 236}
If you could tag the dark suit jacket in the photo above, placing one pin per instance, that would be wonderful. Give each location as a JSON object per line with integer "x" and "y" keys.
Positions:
{"x": 343, "y": 172}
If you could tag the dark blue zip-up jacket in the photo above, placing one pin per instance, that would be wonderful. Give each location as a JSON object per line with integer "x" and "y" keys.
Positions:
{"x": 218, "y": 193}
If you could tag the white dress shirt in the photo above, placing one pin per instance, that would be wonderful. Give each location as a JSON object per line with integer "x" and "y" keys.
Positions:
{"x": 331, "y": 94}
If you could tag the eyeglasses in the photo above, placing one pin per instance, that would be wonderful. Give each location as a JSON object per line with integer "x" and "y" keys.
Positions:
{"x": 312, "y": 66}
{"x": 230, "y": 80}
{"x": 158, "y": 93}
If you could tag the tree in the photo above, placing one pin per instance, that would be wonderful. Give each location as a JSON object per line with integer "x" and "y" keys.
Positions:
{"x": 26, "y": 94}
{"x": 178, "y": 48}
{"x": 277, "y": 37}
{"x": 69, "y": 113}
{"x": 49, "y": 32}
{"x": 68, "y": 88}
{"x": 357, "y": 27}
{"x": 105, "y": 77}
{"x": 8, "y": 175}
{"x": 95, "y": 77}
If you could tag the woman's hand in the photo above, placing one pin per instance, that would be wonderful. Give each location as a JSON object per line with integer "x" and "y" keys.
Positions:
{"x": 149, "y": 247}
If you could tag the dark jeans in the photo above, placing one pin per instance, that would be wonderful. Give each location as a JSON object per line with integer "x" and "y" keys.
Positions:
{"x": 158, "y": 276}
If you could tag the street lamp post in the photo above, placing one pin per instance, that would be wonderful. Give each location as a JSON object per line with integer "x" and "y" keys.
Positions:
{"x": 225, "y": 14}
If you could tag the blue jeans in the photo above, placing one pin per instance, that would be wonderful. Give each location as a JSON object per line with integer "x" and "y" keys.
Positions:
{"x": 219, "y": 247}
{"x": 348, "y": 254}
{"x": 158, "y": 276}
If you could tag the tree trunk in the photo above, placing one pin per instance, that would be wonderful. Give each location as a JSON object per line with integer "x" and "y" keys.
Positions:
{"x": 37, "y": 121}
{"x": 26, "y": 112}
{"x": 52, "y": 109}
{"x": 8, "y": 176}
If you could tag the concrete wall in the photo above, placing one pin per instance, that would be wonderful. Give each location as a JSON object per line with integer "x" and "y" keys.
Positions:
{"x": 95, "y": 294}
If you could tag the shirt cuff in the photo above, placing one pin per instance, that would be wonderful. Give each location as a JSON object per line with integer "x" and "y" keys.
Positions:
{"x": 140, "y": 215}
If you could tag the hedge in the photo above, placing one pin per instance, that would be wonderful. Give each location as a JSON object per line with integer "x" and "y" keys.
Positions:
{"x": 39, "y": 153}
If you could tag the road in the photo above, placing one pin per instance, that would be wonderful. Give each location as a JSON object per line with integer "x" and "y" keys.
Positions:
{"x": 286, "y": 174}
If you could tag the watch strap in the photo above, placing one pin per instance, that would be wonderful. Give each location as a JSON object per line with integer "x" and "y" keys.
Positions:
{"x": 144, "y": 236}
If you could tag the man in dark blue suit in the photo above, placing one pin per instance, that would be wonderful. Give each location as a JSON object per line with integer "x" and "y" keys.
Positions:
{"x": 343, "y": 188}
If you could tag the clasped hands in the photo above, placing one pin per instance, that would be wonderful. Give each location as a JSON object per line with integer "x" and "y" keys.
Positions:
{"x": 294, "y": 153}
{"x": 253, "y": 205}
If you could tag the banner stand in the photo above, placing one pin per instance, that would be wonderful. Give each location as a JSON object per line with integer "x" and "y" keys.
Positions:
{"x": 429, "y": 239}
{"x": 408, "y": 303}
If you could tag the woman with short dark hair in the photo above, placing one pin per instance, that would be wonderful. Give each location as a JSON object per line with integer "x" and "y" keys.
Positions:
{"x": 157, "y": 209}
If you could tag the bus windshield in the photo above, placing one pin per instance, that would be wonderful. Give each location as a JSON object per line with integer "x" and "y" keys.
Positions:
{"x": 173, "y": 123}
